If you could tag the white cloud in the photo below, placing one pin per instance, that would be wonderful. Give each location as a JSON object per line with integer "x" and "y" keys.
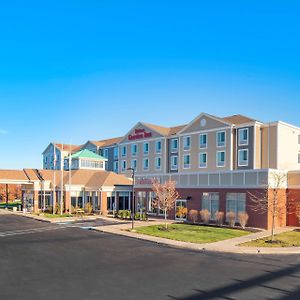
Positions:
{"x": 3, "y": 131}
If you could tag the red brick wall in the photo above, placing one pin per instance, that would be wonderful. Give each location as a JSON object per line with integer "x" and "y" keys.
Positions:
{"x": 255, "y": 219}
{"x": 293, "y": 198}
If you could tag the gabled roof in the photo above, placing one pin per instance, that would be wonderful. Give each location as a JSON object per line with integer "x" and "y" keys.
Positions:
{"x": 87, "y": 178}
{"x": 65, "y": 147}
{"x": 107, "y": 142}
{"x": 238, "y": 119}
{"x": 207, "y": 115}
{"x": 85, "y": 153}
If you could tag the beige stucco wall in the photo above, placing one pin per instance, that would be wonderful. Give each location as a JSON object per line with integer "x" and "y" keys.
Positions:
{"x": 211, "y": 152}
{"x": 140, "y": 153}
{"x": 288, "y": 147}
{"x": 269, "y": 147}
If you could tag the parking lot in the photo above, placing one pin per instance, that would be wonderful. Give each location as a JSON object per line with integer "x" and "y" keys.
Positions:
{"x": 48, "y": 261}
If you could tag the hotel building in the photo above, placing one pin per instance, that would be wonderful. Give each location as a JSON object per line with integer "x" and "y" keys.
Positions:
{"x": 215, "y": 161}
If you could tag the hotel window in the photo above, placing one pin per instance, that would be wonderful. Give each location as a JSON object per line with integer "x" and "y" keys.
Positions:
{"x": 134, "y": 164}
{"x": 116, "y": 152}
{"x": 151, "y": 208}
{"x": 186, "y": 143}
{"x": 146, "y": 164}
{"x": 124, "y": 165}
{"x": 243, "y": 136}
{"x": 299, "y": 139}
{"x": 133, "y": 149}
{"x": 298, "y": 158}
{"x": 235, "y": 202}
{"x": 105, "y": 153}
{"x": 221, "y": 159}
{"x": 174, "y": 145}
{"x": 157, "y": 163}
{"x": 116, "y": 166}
{"x": 146, "y": 148}
{"x": 141, "y": 199}
{"x": 221, "y": 139}
{"x": 186, "y": 161}
{"x": 202, "y": 160}
{"x": 243, "y": 157}
{"x": 210, "y": 201}
{"x": 203, "y": 141}
{"x": 174, "y": 162}
{"x": 124, "y": 150}
{"x": 158, "y": 147}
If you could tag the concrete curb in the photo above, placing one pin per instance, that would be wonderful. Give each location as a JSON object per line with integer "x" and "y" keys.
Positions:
{"x": 211, "y": 247}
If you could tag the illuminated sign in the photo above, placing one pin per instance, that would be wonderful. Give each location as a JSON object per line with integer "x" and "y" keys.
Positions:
{"x": 139, "y": 134}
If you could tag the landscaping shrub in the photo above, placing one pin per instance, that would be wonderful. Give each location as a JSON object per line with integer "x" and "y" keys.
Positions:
{"x": 57, "y": 208}
{"x": 181, "y": 212}
{"x": 137, "y": 216}
{"x": 88, "y": 208}
{"x": 219, "y": 217}
{"x": 49, "y": 209}
{"x": 193, "y": 215}
{"x": 231, "y": 218}
{"x": 205, "y": 216}
{"x": 243, "y": 219}
{"x": 128, "y": 214}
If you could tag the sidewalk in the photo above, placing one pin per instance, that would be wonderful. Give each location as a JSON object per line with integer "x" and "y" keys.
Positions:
{"x": 227, "y": 246}
{"x": 50, "y": 220}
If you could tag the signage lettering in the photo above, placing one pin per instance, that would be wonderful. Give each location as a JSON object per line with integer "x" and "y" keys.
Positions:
{"x": 139, "y": 134}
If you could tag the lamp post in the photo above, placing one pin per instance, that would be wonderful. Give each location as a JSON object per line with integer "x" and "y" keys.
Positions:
{"x": 132, "y": 197}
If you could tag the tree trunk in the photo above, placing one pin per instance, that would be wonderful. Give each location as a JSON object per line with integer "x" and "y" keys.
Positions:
{"x": 273, "y": 228}
{"x": 166, "y": 225}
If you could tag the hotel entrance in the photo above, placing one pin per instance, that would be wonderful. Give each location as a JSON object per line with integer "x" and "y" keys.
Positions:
{"x": 124, "y": 200}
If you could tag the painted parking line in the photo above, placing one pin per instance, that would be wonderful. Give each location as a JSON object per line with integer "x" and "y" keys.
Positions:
{"x": 30, "y": 231}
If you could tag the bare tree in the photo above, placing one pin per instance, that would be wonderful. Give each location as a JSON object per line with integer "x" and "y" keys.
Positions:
{"x": 166, "y": 196}
{"x": 270, "y": 201}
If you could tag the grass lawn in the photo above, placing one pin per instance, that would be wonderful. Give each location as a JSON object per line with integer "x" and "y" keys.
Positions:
{"x": 192, "y": 233}
{"x": 285, "y": 239}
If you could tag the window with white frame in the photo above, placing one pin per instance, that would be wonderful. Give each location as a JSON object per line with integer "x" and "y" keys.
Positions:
{"x": 203, "y": 140}
{"x": 203, "y": 160}
{"x": 221, "y": 139}
{"x": 116, "y": 152}
{"x": 105, "y": 153}
{"x": 134, "y": 164}
{"x": 146, "y": 164}
{"x": 124, "y": 151}
{"x": 116, "y": 166}
{"x": 186, "y": 161}
{"x": 174, "y": 162}
{"x": 158, "y": 147}
{"x": 158, "y": 163}
{"x": 133, "y": 149}
{"x": 174, "y": 145}
{"x": 243, "y": 136}
{"x": 146, "y": 148}
{"x": 235, "y": 202}
{"x": 186, "y": 143}
{"x": 210, "y": 201}
{"x": 243, "y": 157}
{"x": 221, "y": 158}
{"x": 151, "y": 207}
{"x": 124, "y": 165}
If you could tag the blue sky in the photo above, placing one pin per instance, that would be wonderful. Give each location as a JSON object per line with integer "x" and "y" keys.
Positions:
{"x": 77, "y": 70}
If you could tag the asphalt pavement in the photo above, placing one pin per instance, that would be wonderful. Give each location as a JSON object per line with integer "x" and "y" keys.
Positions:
{"x": 39, "y": 260}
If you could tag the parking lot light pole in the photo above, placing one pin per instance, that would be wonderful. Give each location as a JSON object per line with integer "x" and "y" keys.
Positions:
{"x": 132, "y": 197}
